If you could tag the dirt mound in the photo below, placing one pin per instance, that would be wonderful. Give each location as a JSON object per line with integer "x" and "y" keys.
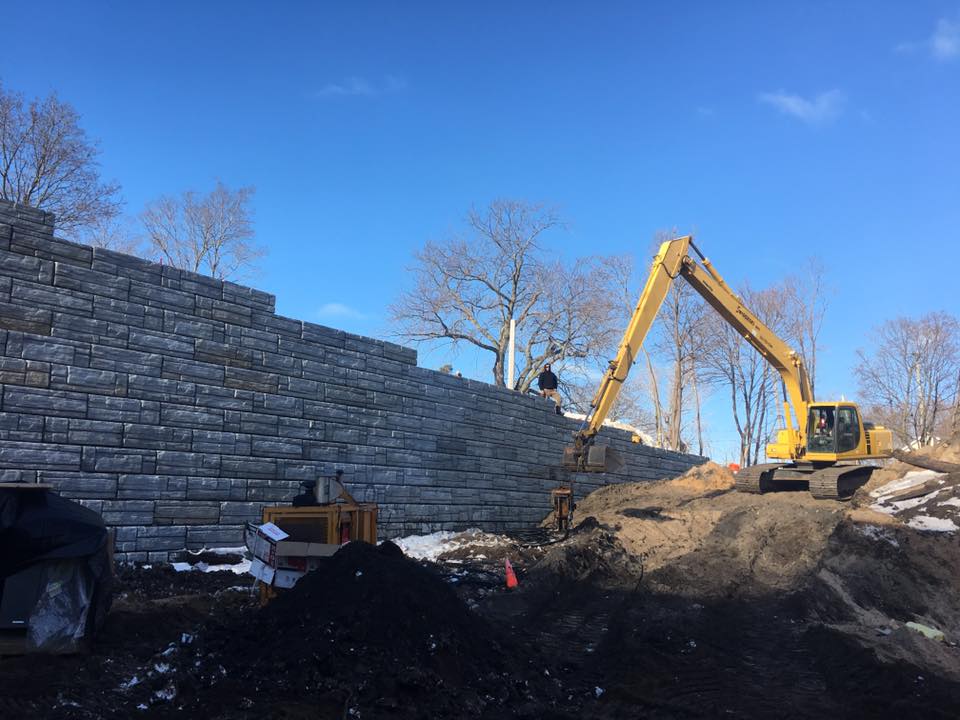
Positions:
{"x": 705, "y": 478}
{"x": 369, "y": 632}
{"x": 696, "y": 536}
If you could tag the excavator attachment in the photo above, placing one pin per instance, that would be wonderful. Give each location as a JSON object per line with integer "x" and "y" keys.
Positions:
{"x": 593, "y": 458}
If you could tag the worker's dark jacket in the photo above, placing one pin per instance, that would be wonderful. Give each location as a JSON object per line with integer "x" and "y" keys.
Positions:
{"x": 547, "y": 381}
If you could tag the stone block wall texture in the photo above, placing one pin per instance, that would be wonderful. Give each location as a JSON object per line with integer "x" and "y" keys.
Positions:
{"x": 177, "y": 405}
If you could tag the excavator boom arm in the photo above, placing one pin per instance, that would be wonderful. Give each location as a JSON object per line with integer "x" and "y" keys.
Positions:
{"x": 672, "y": 260}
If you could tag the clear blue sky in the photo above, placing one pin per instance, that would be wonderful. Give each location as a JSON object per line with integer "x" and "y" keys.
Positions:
{"x": 773, "y": 131}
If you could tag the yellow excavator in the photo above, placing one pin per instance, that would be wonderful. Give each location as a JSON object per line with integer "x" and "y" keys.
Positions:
{"x": 822, "y": 444}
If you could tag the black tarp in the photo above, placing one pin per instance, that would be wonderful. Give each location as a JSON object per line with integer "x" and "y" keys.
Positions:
{"x": 70, "y": 544}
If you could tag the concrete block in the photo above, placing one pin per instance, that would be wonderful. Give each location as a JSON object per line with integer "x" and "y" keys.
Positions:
{"x": 96, "y": 459}
{"x": 236, "y": 466}
{"x": 186, "y": 416}
{"x": 94, "y": 432}
{"x": 89, "y": 486}
{"x": 141, "y": 487}
{"x": 194, "y": 512}
{"x": 126, "y": 361}
{"x": 39, "y": 456}
{"x": 163, "y": 298}
{"x": 214, "y": 536}
{"x": 224, "y": 311}
{"x": 116, "y": 409}
{"x": 240, "y": 512}
{"x": 33, "y": 295}
{"x": 161, "y": 389}
{"x": 155, "y": 342}
{"x": 276, "y": 447}
{"x": 190, "y": 463}
{"x": 24, "y": 318}
{"x": 271, "y": 322}
{"x": 209, "y": 441}
{"x": 251, "y": 380}
{"x": 99, "y": 382}
{"x": 193, "y": 371}
{"x": 186, "y": 326}
{"x": 220, "y": 353}
{"x": 127, "y": 512}
{"x": 278, "y": 404}
{"x": 201, "y": 488}
{"x": 72, "y": 277}
{"x": 323, "y": 335}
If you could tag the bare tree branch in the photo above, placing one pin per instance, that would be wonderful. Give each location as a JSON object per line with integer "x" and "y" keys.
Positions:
{"x": 467, "y": 289}
{"x": 210, "y": 234}
{"x": 910, "y": 379}
{"x": 48, "y": 162}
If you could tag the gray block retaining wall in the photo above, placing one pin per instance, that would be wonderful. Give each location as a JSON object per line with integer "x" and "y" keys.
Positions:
{"x": 177, "y": 405}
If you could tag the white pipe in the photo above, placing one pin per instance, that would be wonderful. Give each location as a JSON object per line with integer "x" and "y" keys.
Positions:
{"x": 511, "y": 379}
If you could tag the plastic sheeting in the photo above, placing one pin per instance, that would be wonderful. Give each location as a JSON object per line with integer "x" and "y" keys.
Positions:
{"x": 71, "y": 545}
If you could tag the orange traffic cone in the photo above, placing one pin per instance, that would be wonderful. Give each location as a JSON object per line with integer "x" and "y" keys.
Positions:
{"x": 511, "y": 575}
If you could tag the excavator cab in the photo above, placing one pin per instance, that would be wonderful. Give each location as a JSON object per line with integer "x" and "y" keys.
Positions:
{"x": 836, "y": 431}
{"x": 833, "y": 429}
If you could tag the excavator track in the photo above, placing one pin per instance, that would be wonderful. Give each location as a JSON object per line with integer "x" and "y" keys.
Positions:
{"x": 828, "y": 483}
{"x": 756, "y": 478}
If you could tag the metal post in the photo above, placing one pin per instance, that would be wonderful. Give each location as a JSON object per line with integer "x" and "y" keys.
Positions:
{"x": 511, "y": 378}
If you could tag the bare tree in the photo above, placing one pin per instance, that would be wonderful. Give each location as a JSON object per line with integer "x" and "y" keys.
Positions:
{"x": 752, "y": 383}
{"x": 116, "y": 233}
{"x": 469, "y": 287}
{"x": 807, "y": 297}
{"x": 48, "y": 162}
{"x": 210, "y": 234}
{"x": 679, "y": 338}
{"x": 632, "y": 404}
{"x": 910, "y": 377}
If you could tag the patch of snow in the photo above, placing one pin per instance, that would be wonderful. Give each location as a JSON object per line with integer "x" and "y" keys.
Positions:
{"x": 912, "y": 478}
{"x": 127, "y": 684}
{"x": 238, "y": 550}
{"x": 598, "y": 691}
{"x": 239, "y": 568}
{"x": 141, "y": 706}
{"x": 432, "y": 546}
{"x": 954, "y": 501}
{"x": 877, "y": 533}
{"x": 161, "y": 668}
{"x": 167, "y": 693}
{"x": 925, "y": 522}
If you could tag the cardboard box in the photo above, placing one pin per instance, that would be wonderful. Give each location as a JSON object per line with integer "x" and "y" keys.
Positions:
{"x": 281, "y": 562}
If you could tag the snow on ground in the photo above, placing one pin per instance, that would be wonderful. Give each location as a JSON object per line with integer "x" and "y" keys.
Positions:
{"x": 240, "y": 568}
{"x": 920, "y": 513}
{"x": 925, "y": 522}
{"x": 432, "y": 546}
{"x": 877, "y": 533}
{"x": 911, "y": 479}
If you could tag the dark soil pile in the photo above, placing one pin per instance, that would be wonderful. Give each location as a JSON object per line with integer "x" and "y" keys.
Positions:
{"x": 369, "y": 633}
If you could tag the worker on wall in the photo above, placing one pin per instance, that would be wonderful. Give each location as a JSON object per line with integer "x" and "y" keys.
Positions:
{"x": 547, "y": 382}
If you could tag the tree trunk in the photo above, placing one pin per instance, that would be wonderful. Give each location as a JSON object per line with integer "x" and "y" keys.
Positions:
{"x": 696, "y": 399}
{"x": 657, "y": 409}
